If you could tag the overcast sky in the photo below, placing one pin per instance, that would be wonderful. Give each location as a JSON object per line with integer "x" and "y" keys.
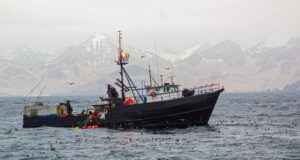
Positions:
{"x": 174, "y": 24}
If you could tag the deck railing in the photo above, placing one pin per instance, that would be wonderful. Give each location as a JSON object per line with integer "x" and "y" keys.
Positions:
{"x": 203, "y": 89}
{"x": 208, "y": 88}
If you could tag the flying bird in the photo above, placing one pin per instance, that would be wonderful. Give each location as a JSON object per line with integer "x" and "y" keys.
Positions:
{"x": 71, "y": 83}
{"x": 167, "y": 68}
{"x": 142, "y": 57}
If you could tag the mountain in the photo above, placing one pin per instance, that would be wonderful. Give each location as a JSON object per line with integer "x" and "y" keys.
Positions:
{"x": 226, "y": 53}
{"x": 279, "y": 65}
{"x": 294, "y": 87}
{"x": 261, "y": 67}
{"x": 175, "y": 57}
{"x": 92, "y": 63}
{"x": 14, "y": 78}
{"x": 223, "y": 63}
{"x": 30, "y": 59}
{"x": 282, "y": 57}
{"x": 86, "y": 68}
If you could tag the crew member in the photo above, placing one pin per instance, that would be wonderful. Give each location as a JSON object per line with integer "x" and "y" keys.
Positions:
{"x": 69, "y": 108}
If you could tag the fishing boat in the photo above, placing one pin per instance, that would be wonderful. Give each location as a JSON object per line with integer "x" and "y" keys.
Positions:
{"x": 153, "y": 105}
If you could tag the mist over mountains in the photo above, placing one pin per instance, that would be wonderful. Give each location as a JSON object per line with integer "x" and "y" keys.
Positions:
{"x": 90, "y": 65}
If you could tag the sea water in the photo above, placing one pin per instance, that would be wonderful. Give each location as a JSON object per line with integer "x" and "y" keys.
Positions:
{"x": 242, "y": 126}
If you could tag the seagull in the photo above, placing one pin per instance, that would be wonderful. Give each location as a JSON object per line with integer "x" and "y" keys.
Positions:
{"x": 142, "y": 57}
{"x": 71, "y": 83}
{"x": 167, "y": 68}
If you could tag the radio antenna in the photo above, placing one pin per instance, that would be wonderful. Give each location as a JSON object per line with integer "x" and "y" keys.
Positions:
{"x": 156, "y": 58}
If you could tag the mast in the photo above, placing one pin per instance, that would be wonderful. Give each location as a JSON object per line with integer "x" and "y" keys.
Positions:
{"x": 172, "y": 79}
{"x": 123, "y": 60}
{"x": 156, "y": 60}
{"x": 120, "y": 62}
{"x": 150, "y": 75}
{"x": 161, "y": 79}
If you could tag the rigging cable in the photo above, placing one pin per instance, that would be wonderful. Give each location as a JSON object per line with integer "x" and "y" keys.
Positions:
{"x": 41, "y": 92}
{"x": 31, "y": 91}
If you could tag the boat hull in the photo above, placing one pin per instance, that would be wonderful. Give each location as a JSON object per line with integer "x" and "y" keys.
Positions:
{"x": 181, "y": 112}
{"x": 40, "y": 121}
{"x": 187, "y": 111}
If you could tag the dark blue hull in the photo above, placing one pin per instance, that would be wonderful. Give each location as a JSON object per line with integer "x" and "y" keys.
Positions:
{"x": 40, "y": 121}
{"x": 194, "y": 110}
{"x": 186, "y": 111}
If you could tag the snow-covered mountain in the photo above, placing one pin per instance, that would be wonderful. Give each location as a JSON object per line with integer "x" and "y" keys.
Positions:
{"x": 15, "y": 79}
{"x": 221, "y": 63}
{"x": 258, "y": 68}
{"x": 30, "y": 59}
{"x": 227, "y": 52}
{"x": 175, "y": 57}
{"x": 294, "y": 87}
{"x": 279, "y": 65}
{"x": 90, "y": 65}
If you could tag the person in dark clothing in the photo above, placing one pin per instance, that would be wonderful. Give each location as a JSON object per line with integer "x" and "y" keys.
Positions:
{"x": 69, "y": 108}
{"x": 112, "y": 92}
{"x": 82, "y": 113}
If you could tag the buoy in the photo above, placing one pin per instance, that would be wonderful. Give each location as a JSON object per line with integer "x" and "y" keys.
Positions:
{"x": 153, "y": 94}
{"x": 89, "y": 127}
{"x": 83, "y": 127}
{"x": 129, "y": 101}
